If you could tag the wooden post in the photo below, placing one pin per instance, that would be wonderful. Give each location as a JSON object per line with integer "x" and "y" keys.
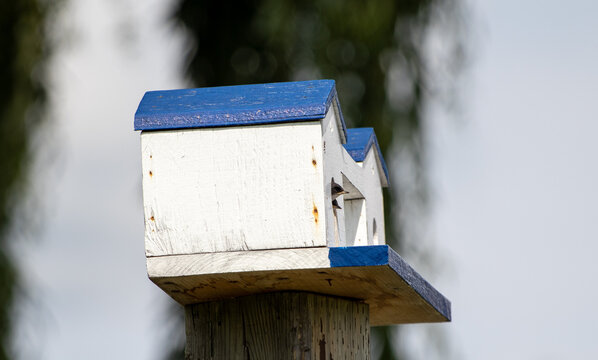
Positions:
{"x": 264, "y": 218}
{"x": 283, "y": 325}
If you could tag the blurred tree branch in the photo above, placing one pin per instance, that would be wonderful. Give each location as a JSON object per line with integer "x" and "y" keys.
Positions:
{"x": 22, "y": 103}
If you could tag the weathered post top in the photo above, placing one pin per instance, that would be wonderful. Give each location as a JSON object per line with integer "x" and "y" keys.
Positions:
{"x": 261, "y": 188}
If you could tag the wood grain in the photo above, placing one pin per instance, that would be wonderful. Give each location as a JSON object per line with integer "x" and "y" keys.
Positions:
{"x": 233, "y": 188}
{"x": 377, "y": 275}
{"x": 287, "y": 325}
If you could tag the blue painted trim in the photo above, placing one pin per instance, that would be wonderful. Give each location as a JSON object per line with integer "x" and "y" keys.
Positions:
{"x": 359, "y": 143}
{"x": 419, "y": 284}
{"x": 236, "y": 105}
{"x": 358, "y": 256}
{"x": 380, "y": 255}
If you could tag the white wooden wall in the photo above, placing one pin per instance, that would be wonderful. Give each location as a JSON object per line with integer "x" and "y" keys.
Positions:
{"x": 364, "y": 182}
{"x": 233, "y": 188}
{"x": 256, "y": 187}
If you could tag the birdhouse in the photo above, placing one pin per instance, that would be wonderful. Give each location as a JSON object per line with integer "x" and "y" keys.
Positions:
{"x": 259, "y": 188}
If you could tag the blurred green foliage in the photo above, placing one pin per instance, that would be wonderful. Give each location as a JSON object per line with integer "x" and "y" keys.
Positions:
{"x": 375, "y": 50}
{"x": 240, "y": 42}
{"x": 22, "y": 95}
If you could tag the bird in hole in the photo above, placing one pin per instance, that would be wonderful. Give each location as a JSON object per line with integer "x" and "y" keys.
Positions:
{"x": 336, "y": 190}
{"x": 335, "y": 205}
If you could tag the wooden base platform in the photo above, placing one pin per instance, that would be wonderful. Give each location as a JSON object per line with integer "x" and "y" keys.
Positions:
{"x": 377, "y": 275}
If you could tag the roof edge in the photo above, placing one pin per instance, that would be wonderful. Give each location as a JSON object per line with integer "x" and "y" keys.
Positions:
{"x": 235, "y": 105}
{"x": 360, "y": 142}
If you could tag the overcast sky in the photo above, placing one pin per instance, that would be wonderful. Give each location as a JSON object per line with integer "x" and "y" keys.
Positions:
{"x": 516, "y": 200}
{"x": 514, "y": 179}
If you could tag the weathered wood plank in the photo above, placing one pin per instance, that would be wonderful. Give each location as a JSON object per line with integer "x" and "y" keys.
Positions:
{"x": 238, "y": 261}
{"x": 233, "y": 188}
{"x": 375, "y": 274}
{"x": 288, "y": 325}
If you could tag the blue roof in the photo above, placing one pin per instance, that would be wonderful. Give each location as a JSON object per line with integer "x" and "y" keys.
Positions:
{"x": 359, "y": 143}
{"x": 235, "y": 105}
{"x": 251, "y": 104}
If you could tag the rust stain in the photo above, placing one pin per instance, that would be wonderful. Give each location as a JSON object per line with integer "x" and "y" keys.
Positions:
{"x": 152, "y": 218}
{"x": 315, "y": 212}
{"x": 151, "y": 173}
{"x": 151, "y": 156}
{"x": 314, "y": 162}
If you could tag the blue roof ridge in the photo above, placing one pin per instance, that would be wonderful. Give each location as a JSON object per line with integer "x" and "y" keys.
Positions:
{"x": 359, "y": 143}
